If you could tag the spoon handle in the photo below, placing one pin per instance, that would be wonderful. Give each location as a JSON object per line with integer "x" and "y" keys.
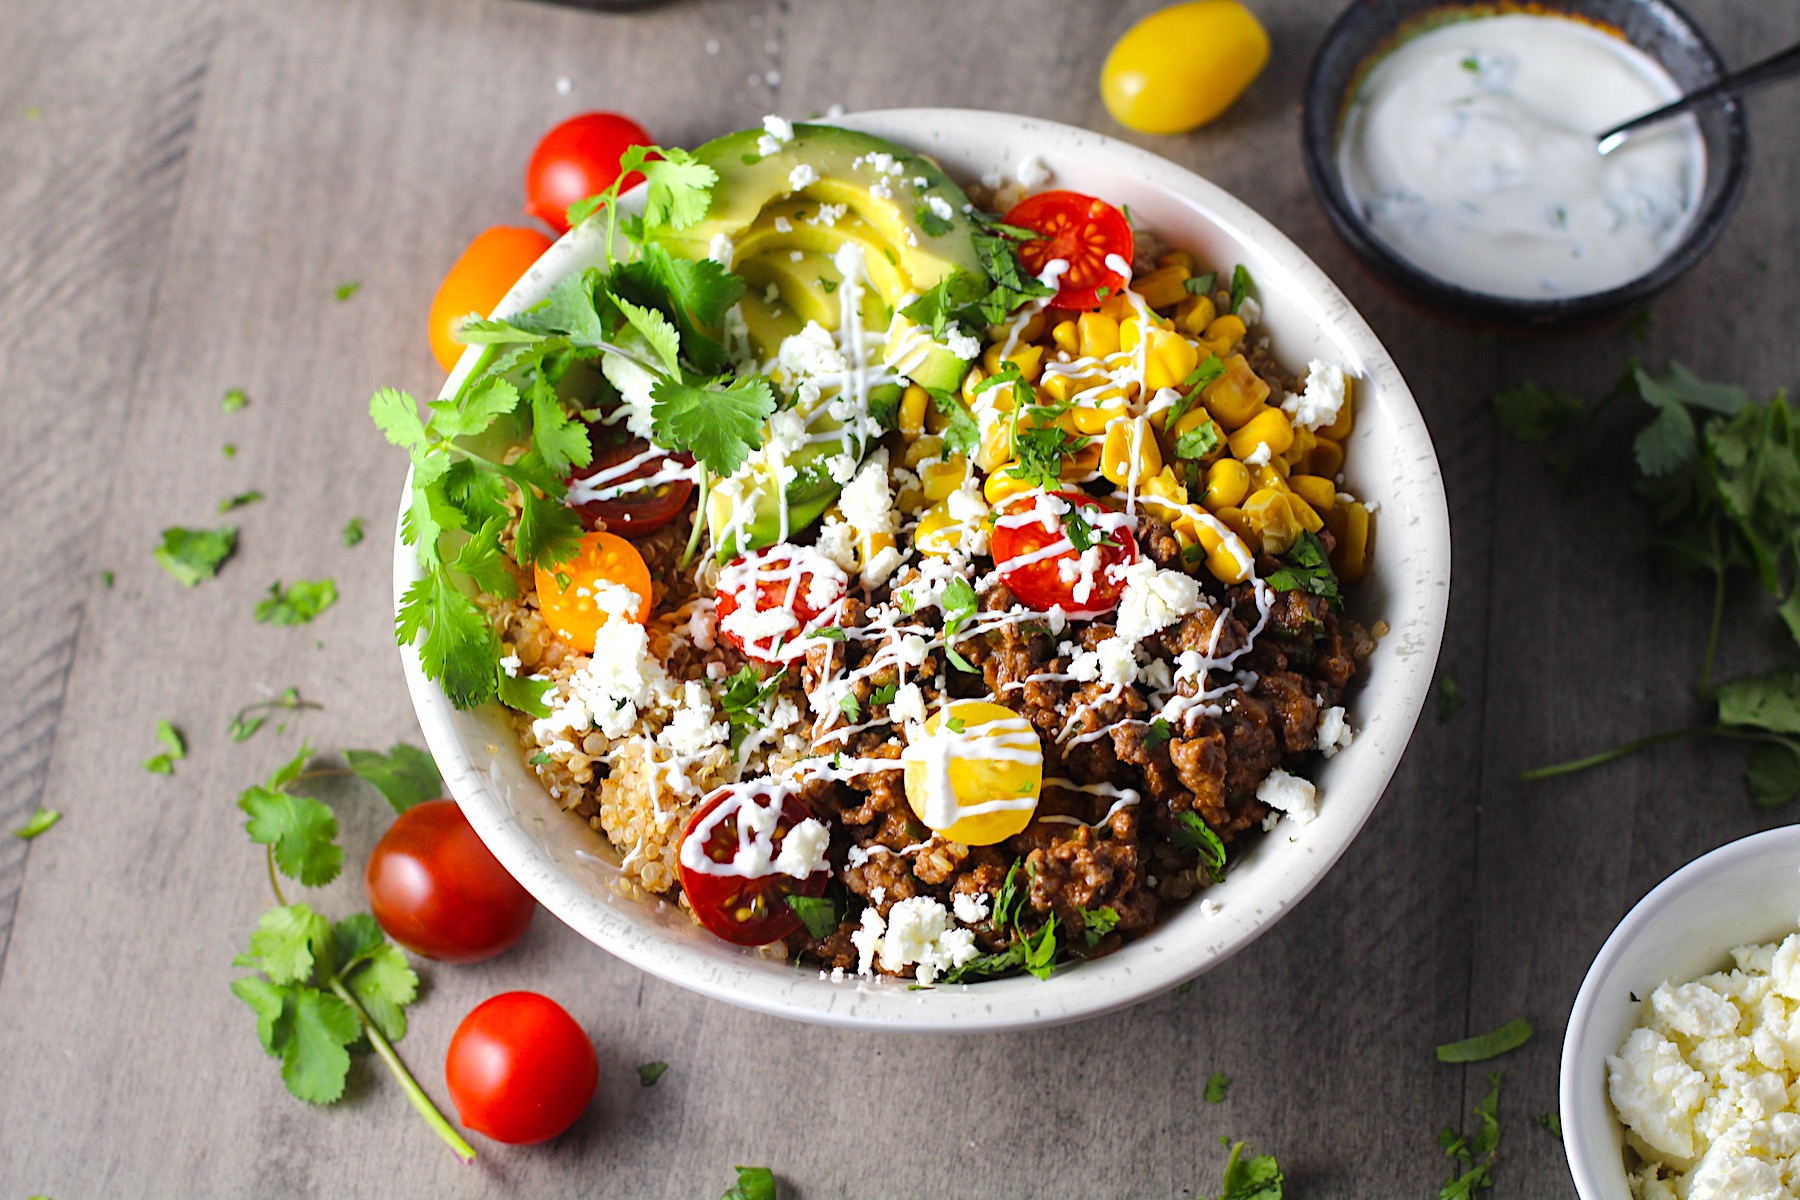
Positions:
{"x": 1776, "y": 66}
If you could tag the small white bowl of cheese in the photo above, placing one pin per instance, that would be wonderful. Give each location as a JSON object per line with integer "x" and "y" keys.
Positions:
{"x": 1690, "y": 1020}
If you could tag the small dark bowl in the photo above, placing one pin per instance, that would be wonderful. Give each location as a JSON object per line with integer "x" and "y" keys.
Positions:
{"x": 1369, "y": 29}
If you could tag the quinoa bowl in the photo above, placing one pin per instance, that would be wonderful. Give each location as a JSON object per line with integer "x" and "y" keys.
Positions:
{"x": 575, "y": 869}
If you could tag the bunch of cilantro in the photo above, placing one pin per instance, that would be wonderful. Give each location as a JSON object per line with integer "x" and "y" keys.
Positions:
{"x": 324, "y": 990}
{"x": 647, "y": 307}
{"x": 1721, "y": 473}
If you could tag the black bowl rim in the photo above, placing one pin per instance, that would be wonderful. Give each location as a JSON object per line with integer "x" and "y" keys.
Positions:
{"x": 1319, "y": 120}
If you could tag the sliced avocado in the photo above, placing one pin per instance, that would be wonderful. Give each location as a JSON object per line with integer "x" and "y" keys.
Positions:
{"x": 911, "y": 351}
{"x": 808, "y": 286}
{"x": 839, "y": 160}
{"x": 808, "y": 496}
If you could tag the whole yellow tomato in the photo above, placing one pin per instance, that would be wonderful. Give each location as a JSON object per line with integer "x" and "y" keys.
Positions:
{"x": 1181, "y": 67}
{"x": 479, "y": 280}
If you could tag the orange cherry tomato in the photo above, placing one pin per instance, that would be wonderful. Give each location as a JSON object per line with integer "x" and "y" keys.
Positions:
{"x": 574, "y": 612}
{"x": 483, "y": 275}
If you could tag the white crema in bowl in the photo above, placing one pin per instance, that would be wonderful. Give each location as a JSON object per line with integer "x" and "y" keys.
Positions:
{"x": 1470, "y": 152}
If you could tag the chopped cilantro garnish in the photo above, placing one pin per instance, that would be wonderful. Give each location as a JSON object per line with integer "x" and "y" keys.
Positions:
{"x": 851, "y": 707}
{"x": 1080, "y": 533}
{"x": 540, "y": 759}
{"x": 954, "y": 724}
{"x": 1201, "y": 285}
{"x": 252, "y": 717}
{"x": 1552, "y": 1122}
{"x": 1193, "y": 833}
{"x": 1198, "y": 442}
{"x": 885, "y": 693}
{"x": 1449, "y": 698}
{"x": 37, "y": 823}
{"x": 1098, "y": 922}
{"x": 1467, "y": 1174}
{"x": 228, "y": 450}
{"x": 650, "y": 1072}
{"x": 1159, "y": 734}
{"x": 933, "y": 224}
{"x": 234, "y": 400}
{"x": 106, "y": 578}
{"x": 297, "y": 604}
{"x": 1241, "y": 283}
{"x": 753, "y": 1183}
{"x": 1307, "y": 568}
{"x": 344, "y": 291}
{"x": 1103, "y": 291}
{"x": 1257, "y": 1177}
{"x": 906, "y": 602}
{"x": 239, "y": 501}
{"x": 719, "y": 426}
{"x": 819, "y": 914}
{"x": 961, "y": 434}
{"x": 1217, "y": 1084}
{"x": 1535, "y": 414}
{"x": 176, "y": 750}
{"x": 742, "y": 700}
{"x": 1040, "y": 949}
{"x": 831, "y": 633}
{"x": 353, "y": 532}
{"x": 1471, "y": 64}
{"x": 827, "y": 286}
{"x": 1493, "y": 1044}
{"x": 191, "y": 555}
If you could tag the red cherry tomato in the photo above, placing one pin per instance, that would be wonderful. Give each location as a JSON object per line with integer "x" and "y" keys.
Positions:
{"x": 769, "y": 581}
{"x": 638, "y": 512}
{"x": 750, "y": 911}
{"x": 478, "y": 281}
{"x": 578, "y": 159}
{"x": 1083, "y": 232}
{"x": 520, "y": 1069}
{"x": 1041, "y": 583}
{"x": 440, "y": 892}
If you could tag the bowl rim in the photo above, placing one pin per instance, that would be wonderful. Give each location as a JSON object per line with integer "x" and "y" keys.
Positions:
{"x": 1319, "y": 118}
{"x": 1583, "y": 1168}
{"x": 1146, "y": 967}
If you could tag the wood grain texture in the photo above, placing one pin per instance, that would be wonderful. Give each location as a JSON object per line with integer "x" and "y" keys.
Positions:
{"x": 206, "y": 172}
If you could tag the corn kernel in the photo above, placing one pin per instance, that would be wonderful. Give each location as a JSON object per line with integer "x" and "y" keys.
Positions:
{"x": 1083, "y": 465}
{"x": 921, "y": 450}
{"x": 1162, "y": 288}
{"x": 1229, "y": 560}
{"x": 910, "y": 498}
{"x": 1034, "y": 327}
{"x": 970, "y": 382}
{"x": 1029, "y": 358}
{"x": 1194, "y": 314}
{"x": 1062, "y": 387}
{"x": 1178, "y": 258}
{"x": 996, "y": 444}
{"x": 1164, "y": 495}
{"x": 1130, "y": 456}
{"x": 1228, "y": 329}
{"x": 1237, "y": 395}
{"x": 1099, "y": 335}
{"x": 1304, "y": 440}
{"x": 1306, "y": 514}
{"x": 1355, "y": 533}
{"x": 938, "y": 532}
{"x": 913, "y": 403}
{"x": 1227, "y": 483}
{"x": 1273, "y": 523}
{"x": 1118, "y": 306}
{"x": 1171, "y": 358}
{"x": 1326, "y": 458}
{"x": 1340, "y": 429}
{"x": 1092, "y": 419}
{"x": 1065, "y": 337}
{"x": 1003, "y": 483}
{"x": 870, "y": 544}
{"x": 1319, "y": 492}
{"x": 939, "y": 479}
{"x": 1268, "y": 475}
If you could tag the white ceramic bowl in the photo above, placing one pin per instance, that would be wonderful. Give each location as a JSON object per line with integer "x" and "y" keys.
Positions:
{"x": 567, "y": 866}
{"x": 1744, "y": 893}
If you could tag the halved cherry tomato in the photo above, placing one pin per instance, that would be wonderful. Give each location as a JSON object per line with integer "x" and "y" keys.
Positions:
{"x": 578, "y": 159}
{"x": 1041, "y": 584}
{"x": 483, "y": 275}
{"x": 439, "y": 891}
{"x": 573, "y": 611}
{"x": 520, "y": 1069}
{"x": 746, "y": 910}
{"x": 637, "y": 512}
{"x": 769, "y": 582}
{"x": 1083, "y": 232}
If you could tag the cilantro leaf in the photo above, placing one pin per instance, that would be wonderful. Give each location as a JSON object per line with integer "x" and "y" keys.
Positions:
{"x": 1307, "y": 568}
{"x": 296, "y": 605}
{"x": 377, "y": 974}
{"x": 753, "y": 1183}
{"x": 961, "y": 433}
{"x": 549, "y": 532}
{"x": 239, "y": 501}
{"x": 406, "y": 775}
{"x": 1201, "y": 285}
{"x": 168, "y": 735}
{"x": 483, "y": 561}
{"x": 235, "y": 399}
{"x": 1217, "y": 1084}
{"x": 818, "y": 913}
{"x": 1159, "y": 734}
{"x": 1770, "y": 701}
{"x": 560, "y": 439}
{"x": 680, "y": 188}
{"x": 459, "y": 647}
{"x": 745, "y": 692}
{"x": 353, "y": 531}
{"x": 37, "y": 823}
{"x": 1241, "y": 285}
{"x": 289, "y": 943}
{"x": 191, "y": 555}
{"x": 988, "y": 966}
{"x": 695, "y": 294}
{"x": 1198, "y": 442}
{"x": 1773, "y": 772}
{"x": 657, "y": 331}
{"x": 1009, "y": 897}
{"x": 717, "y": 425}
{"x": 1492, "y": 1044}
{"x": 1193, "y": 833}
{"x": 396, "y": 414}
{"x": 523, "y": 693}
{"x": 344, "y": 291}
{"x": 959, "y": 604}
{"x": 650, "y": 1072}
{"x": 1255, "y": 1178}
{"x": 933, "y": 224}
{"x": 315, "y": 1063}
{"x": 1098, "y": 922}
{"x": 851, "y": 707}
{"x": 1534, "y": 414}
{"x": 269, "y": 1002}
{"x": 301, "y": 831}
{"x": 475, "y": 410}
{"x": 1040, "y": 949}
{"x": 1669, "y": 441}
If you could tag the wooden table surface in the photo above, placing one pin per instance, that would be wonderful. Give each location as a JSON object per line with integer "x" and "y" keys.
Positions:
{"x": 182, "y": 186}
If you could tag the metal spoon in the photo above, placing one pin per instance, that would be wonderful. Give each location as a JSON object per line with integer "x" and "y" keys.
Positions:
{"x": 1779, "y": 66}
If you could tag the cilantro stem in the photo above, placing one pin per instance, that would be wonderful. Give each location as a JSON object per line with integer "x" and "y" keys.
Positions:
{"x": 1618, "y": 752}
{"x": 274, "y": 879}
{"x": 693, "y": 543}
{"x": 1718, "y": 621}
{"x": 408, "y": 1084}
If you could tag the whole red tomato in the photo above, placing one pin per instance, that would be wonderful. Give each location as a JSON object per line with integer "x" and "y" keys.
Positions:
{"x": 440, "y": 892}
{"x": 578, "y": 159}
{"x": 520, "y": 1070}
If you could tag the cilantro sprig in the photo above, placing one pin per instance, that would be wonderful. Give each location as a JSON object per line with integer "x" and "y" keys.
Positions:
{"x": 322, "y": 990}
{"x": 1722, "y": 475}
{"x": 1255, "y": 1177}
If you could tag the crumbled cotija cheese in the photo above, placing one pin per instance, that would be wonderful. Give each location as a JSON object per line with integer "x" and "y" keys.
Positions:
{"x": 1705, "y": 1085}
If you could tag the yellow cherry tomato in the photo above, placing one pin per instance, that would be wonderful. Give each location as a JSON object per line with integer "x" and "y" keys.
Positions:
{"x": 480, "y": 279}
{"x": 985, "y": 754}
{"x": 573, "y": 609}
{"x": 1181, "y": 67}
